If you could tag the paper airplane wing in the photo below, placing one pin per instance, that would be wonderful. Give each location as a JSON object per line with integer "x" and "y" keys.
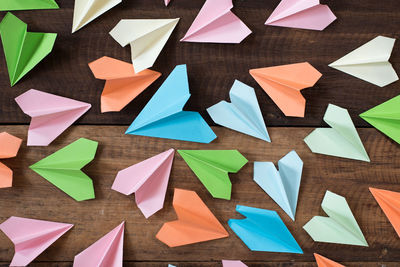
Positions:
{"x": 228, "y": 263}
{"x": 6, "y": 176}
{"x": 9, "y": 145}
{"x": 389, "y": 202}
{"x": 166, "y": 2}
{"x": 325, "y": 262}
{"x": 8, "y": 5}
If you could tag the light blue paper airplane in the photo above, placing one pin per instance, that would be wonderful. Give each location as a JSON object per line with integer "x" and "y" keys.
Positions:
{"x": 263, "y": 230}
{"x": 243, "y": 114}
{"x": 283, "y": 185}
{"x": 163, "y": 116}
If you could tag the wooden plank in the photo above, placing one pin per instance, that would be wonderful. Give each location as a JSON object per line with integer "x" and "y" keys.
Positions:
{"x": 212, "y": 67}
{"x": 32, "y": 196}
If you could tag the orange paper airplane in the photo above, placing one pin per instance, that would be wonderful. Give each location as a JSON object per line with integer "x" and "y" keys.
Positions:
{"x": 9, "y": 146}
{"x": 195, "y": 223}
{"x": 389, "y": 201}
{"x": 283, "y": 85}
{"x": 122, "y": 83}
{"x": 325, "y": 262}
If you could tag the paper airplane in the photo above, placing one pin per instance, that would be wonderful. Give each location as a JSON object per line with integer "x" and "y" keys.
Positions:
{"x": 325, "y": 262}
{"x": 195, "y": 223}
{"x": 163, "y": 116}
{"x": 216, "y": 23}
{"x": 283, "y": 185}
{"x": 166, "y": 2}
{"x": 63, "y": 169}
{"x": 253, "y": 231}
{"x": 85, "y": 11}
{"x": 107, "y": 251}
{"x": 243, "y": 114}
{"x": 227, "y": 263}
{"x": 8, "y": 5}
{"x": 386, "y": 118}
{"x": 23, "y": 50}
{"x": 389, "y": 202}
{"x": 148, "y": 180}
{"x": 341, "y": 140}
{"x": 9, "y": 146}
{"x": 340, "y": 227}
{"x": 212, "y": 168}
{"x": 370, "y": 62}
{"x": 302, "y": 14}
{"x": 122, "y": 83}
{"x": 284, "y": 83}
{"x": 51, "y": 115}
{"x": 31, "y": 237}
{"x": 147, "y": 38}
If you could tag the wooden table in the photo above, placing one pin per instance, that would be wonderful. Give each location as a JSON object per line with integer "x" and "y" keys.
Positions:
{"x": 212, "y": 69}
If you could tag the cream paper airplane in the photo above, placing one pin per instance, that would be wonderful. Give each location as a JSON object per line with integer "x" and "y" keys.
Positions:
{"x": 370, "y": 62}
{"x": 147, "y": 38}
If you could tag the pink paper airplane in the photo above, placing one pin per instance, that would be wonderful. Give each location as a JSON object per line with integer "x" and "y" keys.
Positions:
{"x": 226, "y": 263}
{"x": 303, "y": 14}
{"x": 167, "y": 2}
{"x": 107, "y": 251}
{"x": 148, "y": 180}
{"x": 31, "y": 237}
{"x": 51, "y": 115}
{"x": 215, "y": 23}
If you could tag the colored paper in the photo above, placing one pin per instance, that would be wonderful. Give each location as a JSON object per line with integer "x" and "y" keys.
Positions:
{"x": 8, "y": 5}
{"x": 253, "y": 231}
{"x": 243, "y": 114}
{"x": 303, "y": 14}
{"x": 23, "y": 50}
{"x": 107, "y": 251}
{"x": 122, "y": 83}
{"x": 284, "y": 83}
{"x": 9, "y": 146}
{"x": 216, "y": 23}
{"x": 340, "y": 227}
{"x": 148, "y": 180}
{"x": 389, "y": 202}
{"x": 370, "y": 62}
{"x": 163, "y": 116}
{"x": 325, "y": 262}
{"x": 283, "y": 185}
{"x": 31, "y": 237}
{"x": 227, "y": 263}
{"x": 166, "y": 2}
{"x": 212, "y": 168}
{"x": 51, "y": 115}
{"x": 147, "y": 38}
{"x": 195, "y": 223}
{"x": 85, "y": 11}
{"x": 63, "y": 169}
{"x": 386, "y": 118}
{"x": 341, "y": 140}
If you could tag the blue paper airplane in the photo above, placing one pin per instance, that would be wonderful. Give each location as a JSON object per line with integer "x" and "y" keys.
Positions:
{"x": 263, "y": 230}
{"x": 163, "y": 117}
{"x": 243, "y": 114}
{"x": 283, "y": 185}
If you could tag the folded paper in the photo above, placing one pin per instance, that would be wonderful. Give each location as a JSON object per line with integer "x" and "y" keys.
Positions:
{"x": 63, "y": 169}
{"x": 303, "y": 14}
{"x": 342, "y": 140}
{"x": 216, "y": 23}
{"x": 340, "y": 227}
{"x": 389, "y": 202}
{"x": 243, "y": 114}
{"x": 9, "y": 146}
{"x": 31, "y": 237}
{"x": 146, "y": 37}
{"x": 253, "y": 231}
{"x": 107, "y": 251}
{"x": 195, "y": 223}
{"x": 325, "y": 262}
{"x": 386, "y": 118}
{"x": 166, "y": 2}
{"x": 85, "y": 11}
{"x": 370, "y": 62}
{"x": 148, "y": 180}
{"x": 23, "y": 50}
{"x": 228, "y": 263}
{"x": 163, "y": 116}
{"x": 283, "y": 185}
{"x": 8, "y": 5}
{"x": 122, "y": 83}
{"x": 51, "y": 115}
{"x": 284, "y": 83}
{"x": 212, "y": 168}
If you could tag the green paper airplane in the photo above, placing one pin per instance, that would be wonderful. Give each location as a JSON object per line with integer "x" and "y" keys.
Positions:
{"x": 23, "y": 50}
{"x": 63, "y": 169}
{"x": 386, "y": 118}
{"x": 212, "y": 168}
{"x": 8, "y": 5}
